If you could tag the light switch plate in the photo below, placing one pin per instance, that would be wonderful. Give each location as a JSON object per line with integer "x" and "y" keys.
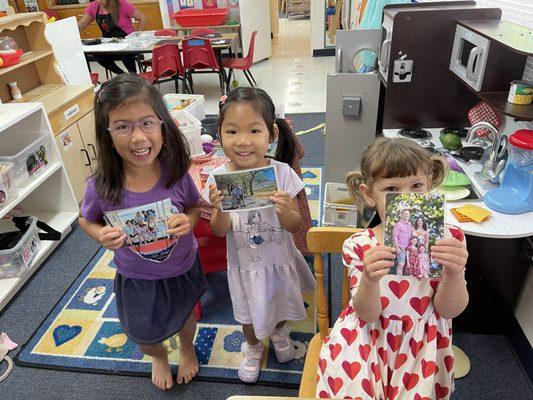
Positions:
{"x": 403, "y": 71}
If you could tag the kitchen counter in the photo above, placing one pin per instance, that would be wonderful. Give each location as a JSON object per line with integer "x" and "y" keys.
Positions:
{"x": 498, "y": 225}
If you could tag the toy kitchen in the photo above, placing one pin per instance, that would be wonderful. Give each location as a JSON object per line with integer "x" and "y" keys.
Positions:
{"x": 453, "y": 77}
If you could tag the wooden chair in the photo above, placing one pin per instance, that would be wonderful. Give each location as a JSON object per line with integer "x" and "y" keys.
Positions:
{"x": 329, "y": 240}
{"x": 320, "y": 241}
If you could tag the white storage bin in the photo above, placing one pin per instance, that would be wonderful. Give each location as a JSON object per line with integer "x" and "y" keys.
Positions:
{"x": 15, "y": 261}
{"x": 28, "y": 162}
{"x": 196, "y": 106}
{"x": 191, "y": 129}
{"x": 339, "y": 209}
{"x": 8, "y": 191}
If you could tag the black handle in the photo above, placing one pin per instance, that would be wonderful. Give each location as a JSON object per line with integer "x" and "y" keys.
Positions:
{"x": 91, "y": 146}
{"x": 86, "y": 155}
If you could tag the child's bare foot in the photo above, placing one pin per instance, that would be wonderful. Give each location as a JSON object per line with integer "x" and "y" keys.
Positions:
{"x": 189, "y": 366}
{"x": 161, "y": 375}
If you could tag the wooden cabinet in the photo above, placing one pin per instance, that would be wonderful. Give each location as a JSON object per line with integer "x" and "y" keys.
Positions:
{"x": 150, "y": 8}
{"x": 75, "y": 157}
{"x": 77, "y": 149}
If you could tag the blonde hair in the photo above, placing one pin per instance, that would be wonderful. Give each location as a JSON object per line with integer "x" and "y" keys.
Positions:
{"x": 391, "y": 158}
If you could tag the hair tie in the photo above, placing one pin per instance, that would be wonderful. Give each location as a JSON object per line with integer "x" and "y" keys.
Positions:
{"x": 222, "y": 100}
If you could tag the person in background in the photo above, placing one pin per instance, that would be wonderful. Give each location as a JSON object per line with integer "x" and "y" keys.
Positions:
{"x": 114, "y": 20}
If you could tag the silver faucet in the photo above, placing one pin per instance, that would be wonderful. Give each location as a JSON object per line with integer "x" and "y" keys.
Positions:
{"x": 495, "y": 161}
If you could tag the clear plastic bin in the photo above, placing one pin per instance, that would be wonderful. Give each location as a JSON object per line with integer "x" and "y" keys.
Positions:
{"x": 8, "y": 190}
{"x": 339, "y": 209}
{"x": 191, "y": 129}
{"x": 15, "y": 261}
{"x": 194, "y": 104}
{"x": 28, "y": 162}
{"x": 140, "y": 39}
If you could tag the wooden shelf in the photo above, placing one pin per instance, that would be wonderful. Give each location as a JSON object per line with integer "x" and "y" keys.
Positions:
{"x": 513, "y": 36}
{"x": 37, "y": 93}
{"x": 27, "y": 58}
{"x": 498, "y": 100}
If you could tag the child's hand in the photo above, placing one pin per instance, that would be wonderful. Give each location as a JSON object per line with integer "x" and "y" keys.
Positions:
{"x": 283, "y": 202}
{"x": 451, "y": 253}
{"x": 378, "y": 261}
{"x": 111, "y": 238}
{"x": 215, "y": 196}
{"x": 179, "y": 224}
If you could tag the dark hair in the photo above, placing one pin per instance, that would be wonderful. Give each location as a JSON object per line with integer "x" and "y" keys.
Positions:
{"x": 120, "y": 92}
{"x": 263, "y": 105}
{"x": 424, "y": 226}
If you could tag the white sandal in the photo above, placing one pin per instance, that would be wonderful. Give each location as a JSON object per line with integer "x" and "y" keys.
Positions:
{"x": 4, "y": 357}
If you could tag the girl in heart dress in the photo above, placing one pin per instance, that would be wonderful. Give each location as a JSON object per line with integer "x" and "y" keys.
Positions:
{"x": 394, "y": 339}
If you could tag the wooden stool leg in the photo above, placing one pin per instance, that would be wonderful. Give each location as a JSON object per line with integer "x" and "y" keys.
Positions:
{"x": 462, "y": 363}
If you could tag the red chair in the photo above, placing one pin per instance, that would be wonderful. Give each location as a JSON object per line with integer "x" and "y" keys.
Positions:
{"x": 212, "y": 252}
{"x": 145, "y": 64}
{"x": 166, "y": 66}
{"x": 243, "y": 64}
{"x": 202, "y": 32}
{"x": 198, "y": 57}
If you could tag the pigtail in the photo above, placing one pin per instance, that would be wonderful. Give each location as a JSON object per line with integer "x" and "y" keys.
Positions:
{"x": 353, "y": 180}
{"x": 439, "y": 170}
{"x": 287, "y": 142}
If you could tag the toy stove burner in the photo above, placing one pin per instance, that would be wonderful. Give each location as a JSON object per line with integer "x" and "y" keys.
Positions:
{"x": 461, "y": 132}
{"x": 471, "y": 152}
{"x": 414, "y": 133}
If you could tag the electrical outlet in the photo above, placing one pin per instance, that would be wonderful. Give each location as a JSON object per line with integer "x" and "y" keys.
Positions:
{"x": 403, "y": 71}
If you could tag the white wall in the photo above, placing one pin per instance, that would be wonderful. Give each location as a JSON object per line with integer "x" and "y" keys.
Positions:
{"x": 318, "y": 13}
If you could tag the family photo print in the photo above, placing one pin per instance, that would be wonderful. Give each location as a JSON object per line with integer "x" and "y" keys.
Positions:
{"x": 146, "y": 229}
{"x": 414, "y": 221}
{"x": 247, "y": 190}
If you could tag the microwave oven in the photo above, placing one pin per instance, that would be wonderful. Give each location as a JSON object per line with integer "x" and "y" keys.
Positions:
{"x": 480, "y": 60}
{"x": 469, "y": 56}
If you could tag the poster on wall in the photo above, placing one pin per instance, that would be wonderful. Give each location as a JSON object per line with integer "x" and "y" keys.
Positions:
{"x": 209, "y": 4}
{"x": 186, "y": 4}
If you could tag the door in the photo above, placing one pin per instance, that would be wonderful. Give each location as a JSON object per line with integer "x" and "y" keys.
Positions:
{"x": 88, "y": 136}
{"x": 255, "y": 16}
{"x": 75, "y": 158}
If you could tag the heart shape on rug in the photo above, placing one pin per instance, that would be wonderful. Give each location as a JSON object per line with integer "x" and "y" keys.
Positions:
{"x": 64, "y": 333}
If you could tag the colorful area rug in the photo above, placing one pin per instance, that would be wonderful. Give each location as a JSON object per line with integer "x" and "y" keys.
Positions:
{"x": 82, "y": 333}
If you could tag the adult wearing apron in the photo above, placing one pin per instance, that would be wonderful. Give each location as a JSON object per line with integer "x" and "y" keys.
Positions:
{"x": 114, "y": 20}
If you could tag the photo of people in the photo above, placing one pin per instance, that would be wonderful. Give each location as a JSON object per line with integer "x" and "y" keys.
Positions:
{"x": 414, "y": 222}
{"x": 146, "y": 229}
{"x": 36, "y": 161}
{"x": 247, "y": 190}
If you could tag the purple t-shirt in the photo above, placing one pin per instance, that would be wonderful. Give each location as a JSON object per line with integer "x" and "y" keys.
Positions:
{"x": 149, "y": 252}
{"x": 125, "y": 13}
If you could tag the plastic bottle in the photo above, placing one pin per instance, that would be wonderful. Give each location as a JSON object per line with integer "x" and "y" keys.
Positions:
{"x": 14, "y": 91}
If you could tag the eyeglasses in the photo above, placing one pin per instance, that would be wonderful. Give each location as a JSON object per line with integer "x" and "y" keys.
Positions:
{"x": 125, "y": 128}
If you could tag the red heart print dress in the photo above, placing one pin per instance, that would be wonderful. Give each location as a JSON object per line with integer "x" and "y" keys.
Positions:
{"x": 406, "y": 354}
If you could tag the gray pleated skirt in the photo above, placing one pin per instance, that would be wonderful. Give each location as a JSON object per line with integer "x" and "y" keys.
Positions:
{"x": 151, "y": 311}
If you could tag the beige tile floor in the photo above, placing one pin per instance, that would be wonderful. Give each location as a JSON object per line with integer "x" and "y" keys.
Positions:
{"x": 292, "y": 77}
